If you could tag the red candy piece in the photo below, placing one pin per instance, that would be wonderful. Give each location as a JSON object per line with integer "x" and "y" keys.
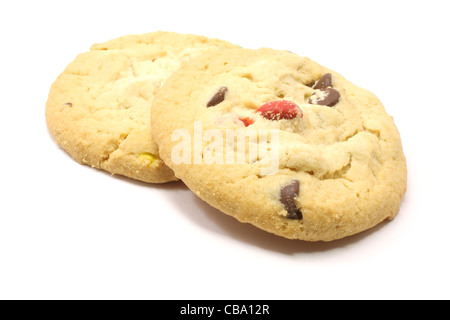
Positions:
{"x": 247, "y": 121}
{"x": 280, "y": 109}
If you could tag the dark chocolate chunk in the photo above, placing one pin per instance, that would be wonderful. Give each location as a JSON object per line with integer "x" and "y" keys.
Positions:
{"x": 324, "y": 82}
{"x": 288, "y": 194}
{"x": 218, "y": 97}
{"x": 68, "y": 104}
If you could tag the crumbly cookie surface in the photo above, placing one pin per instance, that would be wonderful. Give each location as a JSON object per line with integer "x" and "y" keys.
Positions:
{"x": 98, "y": 109}
{"x": 340, "y": 169}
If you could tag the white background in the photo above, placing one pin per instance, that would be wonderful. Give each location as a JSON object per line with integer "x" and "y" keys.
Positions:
{"x": 71, "y": 232}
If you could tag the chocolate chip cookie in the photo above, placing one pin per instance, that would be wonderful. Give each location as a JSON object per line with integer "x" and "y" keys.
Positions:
{"x": 281, "y": 142}
{"x": 98, "y": 109}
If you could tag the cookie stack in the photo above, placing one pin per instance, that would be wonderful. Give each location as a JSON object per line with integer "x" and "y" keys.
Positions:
{"x": 266, "y": 136}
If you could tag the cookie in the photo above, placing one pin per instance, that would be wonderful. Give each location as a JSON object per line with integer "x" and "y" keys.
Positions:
{"x": 98, "y": 109}
{"x": 281, "y": 142}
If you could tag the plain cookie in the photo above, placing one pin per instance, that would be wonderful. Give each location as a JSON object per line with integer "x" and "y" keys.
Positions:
{"x": 98, "y": 109}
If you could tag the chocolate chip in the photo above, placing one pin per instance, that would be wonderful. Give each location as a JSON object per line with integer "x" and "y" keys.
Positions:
{"x": 218, "y": 97}
{"x": 68, "y": 104}
{"x": 326, "y": 95}
{"x": 324, "y": 82}
{"x": 330, "y": 97}
{"x": 288, "y": 194}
